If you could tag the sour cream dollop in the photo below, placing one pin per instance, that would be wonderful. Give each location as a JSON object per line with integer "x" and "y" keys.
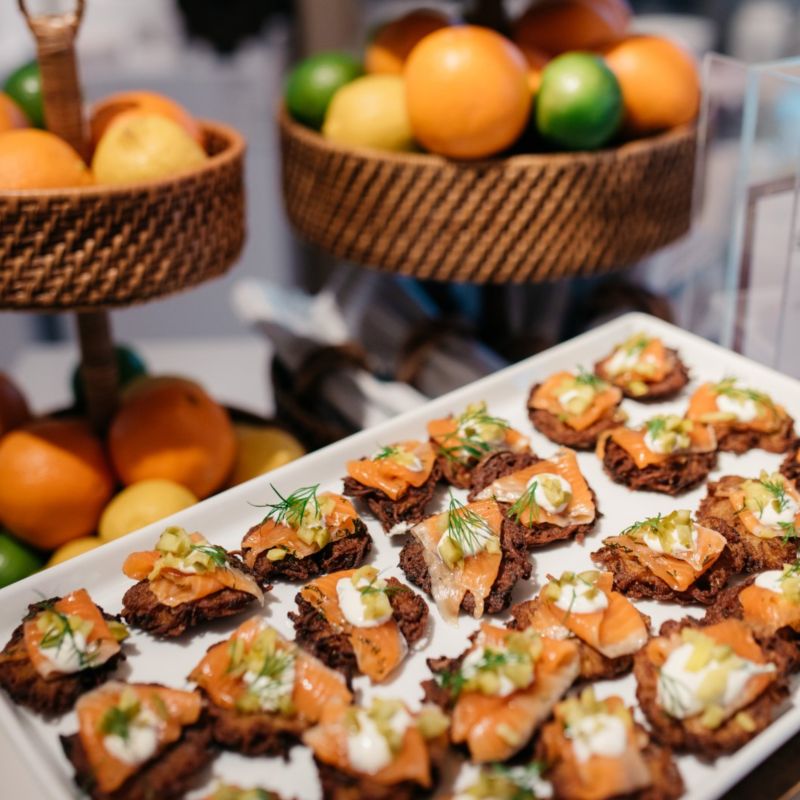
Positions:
{"x": 351, "y": 603}
{"x": 540, "y": 494}
{"x": 141, "y": 742}
{"x": 368, "y": 750}
{"x": 598, "y": 735}
{"x": 743, "y": 409}
{"x": 581, "y": 597}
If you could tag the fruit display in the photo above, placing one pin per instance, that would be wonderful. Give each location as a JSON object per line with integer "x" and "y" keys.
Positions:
{"x": 135, "y": 136}
{"x": 570, "y": 76}
{"x": 65, "y": 490}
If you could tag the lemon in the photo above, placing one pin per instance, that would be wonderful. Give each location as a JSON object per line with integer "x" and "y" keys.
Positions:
{"x": 370, "y": 112}
{"x": 262, "y": 449}
{"x": 76, "y": 547}
{"x": 141, "y": 146}
{"x": 142, "y": 503}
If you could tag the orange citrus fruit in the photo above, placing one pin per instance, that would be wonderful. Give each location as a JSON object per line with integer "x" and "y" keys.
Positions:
{"x": 659, "y": 81}
{"x": 105, "y": 111}
{"x": 467, "y": 92}
{"x": 55, "y": 481}
{"x": 392, "y": 43}
{"x": 11, "y": 115}
{"x": 558, "y": 26}
{"x": 14, "y": 409}
{"x": 172, "y": 429}
{"x": 34, "y": 159}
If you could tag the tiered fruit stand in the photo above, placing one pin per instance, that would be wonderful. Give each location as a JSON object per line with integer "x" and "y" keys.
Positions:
{"x": 94, "y": 248}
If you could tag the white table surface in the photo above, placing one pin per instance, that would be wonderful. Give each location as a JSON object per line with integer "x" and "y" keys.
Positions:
{"x": 234, "y": 370}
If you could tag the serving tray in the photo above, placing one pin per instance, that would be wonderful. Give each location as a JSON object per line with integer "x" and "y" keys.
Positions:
{"x": 225, "y": 518}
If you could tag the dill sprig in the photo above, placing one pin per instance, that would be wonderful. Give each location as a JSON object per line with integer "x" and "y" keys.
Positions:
{"x": 656, "y": 426}
{"x": 468, "y": 437}
{"x": 274, "y": 664}
{"x": 117, "y": 720}
{"x": 387, "y": 451}
{"x": 523, "y": 778}
{"x": 654, "y": 523}
{"x": 789, "y": 531}
{"x": 54, "y": 637}
{"x": 728, "y": 387}
{"x": 466, "y": 528}
{"x": 794, "y": 569}
{"x": 291, "y": 510}
{"x": 216, "y": 553}
{"x": 777, "y": 489}
{"x": 586, "y": 378}
{"x": 388, "y": 590}
{"x": 526, "y": 502}
{"x": 453, "y": 681}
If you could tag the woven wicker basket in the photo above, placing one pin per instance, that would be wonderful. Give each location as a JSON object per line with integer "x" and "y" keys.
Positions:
{"x": 521, "y": 218}
{"x": 103, "y": 246}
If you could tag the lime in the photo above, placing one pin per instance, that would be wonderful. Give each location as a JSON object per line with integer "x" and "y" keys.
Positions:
{"x": 16, "y": 560}
{"x": 262, "y": 449}
{"x": 129, "y": 366}
{"x": 579, "y": 103}
{"x": 313, "y": 82}
{"x": 24, "y": 86}
{"x": 77, "y": 547}
{"x": 370, "y": 112}
{"x": 142, "y": 503}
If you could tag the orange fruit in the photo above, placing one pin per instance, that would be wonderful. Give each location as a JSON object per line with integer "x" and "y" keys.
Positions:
{"x": 55, "y": 481}
{"x": 14, "y": 409}
{"x": 557, "y": 26}
{"x": 659, "y": 81}
{"x": 34, "y": 159}
{"x": 11, "y": 115}
{"x": 536, "y": 61}
{"x": 392, "y": 43}
{"x": 105, "y": 111}
{"x": 172, "y": 429}
{"x": 467, "y": 92}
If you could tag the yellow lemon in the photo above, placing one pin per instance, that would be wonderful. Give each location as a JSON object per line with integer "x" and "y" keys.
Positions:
{"x": 142, "y": 503}
{"x": 262, "y": 449}
{"x": 76, "y": 547}
{"x": 370, "y": 112}
{"x": 142, "y": 146}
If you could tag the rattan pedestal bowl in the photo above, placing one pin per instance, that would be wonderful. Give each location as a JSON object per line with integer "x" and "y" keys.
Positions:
{"x": 99, "y": 247}
{"x": 535, "y": 217}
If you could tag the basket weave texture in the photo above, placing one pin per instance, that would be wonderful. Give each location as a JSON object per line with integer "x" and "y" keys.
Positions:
{"x": 103, "y": 246}
{"x": 521, "y": 218}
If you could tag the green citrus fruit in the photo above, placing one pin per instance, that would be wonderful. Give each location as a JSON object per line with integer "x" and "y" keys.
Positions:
{"x": 313, "y": 82}
{"x": 16, "y": 560}
{"x": 24, "y": 86}
{"x": 129, "y": 366}
{"x": 579, "y": 103}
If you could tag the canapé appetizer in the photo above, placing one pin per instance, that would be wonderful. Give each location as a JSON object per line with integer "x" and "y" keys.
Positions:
{"x": 263, "y": 691}
{"x": 305, "y": 534}
{"x": 502, "y": 688}
{"x": 466, "y": 558}
{"x": 644, "y": 369}
{"x": 63, "y": 647}
{"x": 464, "y": 442}
{"x": 764, "y": 514}
{"x": 607, "y": 627}
{"x": 710, "y": 689}
{"x": 743, "y": 418}
{"x": 671, "y": 557}
{"x": 359, "y": 623}
{"x": 547, "y": 501}
{"x": 667, "y": 454}
{"x": 594, "y": 750}
{"x": 573, "y": 409}
{"x": 378, "y": 752}
{"x": 138, "y": 740}
{"x": 396, "y": 483}
{"x": 184, "y": 582}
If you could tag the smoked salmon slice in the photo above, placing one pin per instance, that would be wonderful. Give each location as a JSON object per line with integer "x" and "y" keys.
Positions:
{"x": 599, "y": 399}
{"x": 196, "y": 570}
{"x": 378, "y": 649}
{"x": 314, "y": 688}
{"x": 615, "y": 629}
{"x": 640, "y": 359}
{"x": 769, "y": 609}
{"x": 496, "y": 726}
{"x": 475, "y": 525}
{"x": 74, "y": 621}
{"x": 395, "y": 468}
{"x": 704, "y": 407}
{"x": 100, "y": 713}
{"x": 770, "y": 493}
{"x": 517, "y": 488}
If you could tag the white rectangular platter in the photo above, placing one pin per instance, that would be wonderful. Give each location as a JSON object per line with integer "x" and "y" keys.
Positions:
{"x": 225, "y": 518}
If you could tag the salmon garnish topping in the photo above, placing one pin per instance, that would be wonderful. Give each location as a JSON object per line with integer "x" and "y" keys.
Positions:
{"x": 640, "y": 360}
{"x": 728, "y": 403}
{"x": 577, "y": 400}
{"x": 395, "y": 468}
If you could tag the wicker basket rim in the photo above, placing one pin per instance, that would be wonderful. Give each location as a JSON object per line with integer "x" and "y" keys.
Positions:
{"x": 656, "y": 141}
{"x": 234, "y": 150}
